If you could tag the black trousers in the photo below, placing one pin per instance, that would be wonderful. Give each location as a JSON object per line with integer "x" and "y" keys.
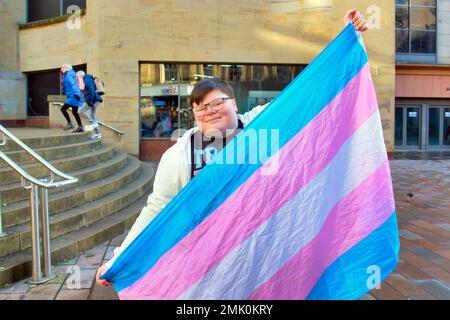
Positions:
{"x": 74, "y": 112}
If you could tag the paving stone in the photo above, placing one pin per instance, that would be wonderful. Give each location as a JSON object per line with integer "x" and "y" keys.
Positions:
{"x": 90, "y": 261}
{"x": 423, "y": 297}
{"x": 387, "y": 293}
{"x": 415, "y": 260}
{"x": 80, "y": 279}
{"x": 10, "y": 296}
{"x": 110, "y": 253}
{"x": 440, "y": 275}
{"x": 430, "y": 245}
{"x": 425, "y": 253}
{"x": 117, "y": 241}
{"x": 43, "y": 292}
{"x": 445, "y": 226}
{"x": 82, "y": 294}
{"x": 103, "y": 293}
{"x": 368, "y": 297}
{"x": 16, "y": 288}
{"x": 412, "y": 272}
{"x": 99, "y": 249}
{"x": 70, "y": 262}
{"x": 445, "y": 254}
{"x": 409, "y": 235}
{"x": 60, "y": 273}
{"x": 404, "y": 286}
{"x": 436, "y": 288}
{"x": 443, "y": 264}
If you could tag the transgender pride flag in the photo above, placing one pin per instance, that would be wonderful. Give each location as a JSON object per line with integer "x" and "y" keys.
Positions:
{"x": 321, "y": 226}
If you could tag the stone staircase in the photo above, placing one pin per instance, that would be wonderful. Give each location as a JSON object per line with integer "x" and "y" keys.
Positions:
{"x": 111, "y": 191}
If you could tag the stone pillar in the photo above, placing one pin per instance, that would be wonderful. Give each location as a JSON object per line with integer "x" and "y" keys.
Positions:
{"x": 12, "y": 81}
{"x": 443, "y": 32}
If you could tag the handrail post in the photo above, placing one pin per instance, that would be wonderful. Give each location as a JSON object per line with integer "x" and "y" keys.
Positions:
{"x": 2, "y": 234}
{"x": 46, "y": 251}
{"x": 36, "y": 259}
{"x": 40, "y": 221}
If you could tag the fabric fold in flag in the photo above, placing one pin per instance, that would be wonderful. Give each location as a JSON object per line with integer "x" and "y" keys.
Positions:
{"x": 312, "y": 218}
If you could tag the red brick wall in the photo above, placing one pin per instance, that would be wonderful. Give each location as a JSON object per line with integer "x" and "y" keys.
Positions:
{"x": 152, "y": 150}
{"x": 12, "y": 123}
{"x": 30, "y": 122}
{"x": 37, "y": 122}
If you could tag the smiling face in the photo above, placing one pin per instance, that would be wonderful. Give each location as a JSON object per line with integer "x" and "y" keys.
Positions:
{"x": 214, "y": 123}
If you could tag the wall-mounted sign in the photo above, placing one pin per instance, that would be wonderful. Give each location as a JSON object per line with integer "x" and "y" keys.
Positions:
{"x": 170, "y": 90}
{"x": 412, "y": 114}
{"x": 447, "y": 114}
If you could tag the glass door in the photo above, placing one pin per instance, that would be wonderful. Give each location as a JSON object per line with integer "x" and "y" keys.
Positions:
{"x": 434, "y": 126}
{"x": 413, "y": 118}
{"x": 446, "y": 127}
{"x": 424, "y": 127}
{"x": 408, "y": 127}
{"x": 438, "y": 127}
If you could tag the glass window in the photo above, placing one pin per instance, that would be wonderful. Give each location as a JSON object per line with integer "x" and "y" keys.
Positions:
{"x": 46, "y": 9}
{"x": 67, "y": 3}
{"x": 431, "y": 3}
{"x": 423, "y": 42}
{"x": 402, "y": 41}
{"x": 402, "y": 18}
{"x": 415, "y": 23}
{"x": 43, "y": 9}
{"x": 166, "y": 91}
{"x": 423, "y": 18}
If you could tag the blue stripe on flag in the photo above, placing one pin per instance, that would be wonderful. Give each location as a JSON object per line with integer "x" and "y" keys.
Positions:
{"x": 347, "y": 278}
{"x": 302, "y": 100}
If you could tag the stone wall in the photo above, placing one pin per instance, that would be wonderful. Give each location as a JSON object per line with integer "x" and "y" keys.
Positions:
{"x": 12, "y": 81}
{"x": 443, "y": 32}
{"x": 116, "y": 35}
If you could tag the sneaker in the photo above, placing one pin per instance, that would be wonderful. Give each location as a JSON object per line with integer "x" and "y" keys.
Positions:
{"x": 79, "y": 129}
{"x": 69, "y": 126}
{"x": 96, "y": 136}
{"x": 91, "y": 127}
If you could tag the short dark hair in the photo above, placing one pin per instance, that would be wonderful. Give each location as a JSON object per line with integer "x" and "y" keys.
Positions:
{"x": 206, "y": 86}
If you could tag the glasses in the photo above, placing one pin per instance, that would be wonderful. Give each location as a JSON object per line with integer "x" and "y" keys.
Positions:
{"x": 215, "y": 105}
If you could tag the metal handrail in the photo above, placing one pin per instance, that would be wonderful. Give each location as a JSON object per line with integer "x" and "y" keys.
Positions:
{"x": 99, "y": 122}
{"x": 68, "y": 179}
{"x": 38, "y": 206}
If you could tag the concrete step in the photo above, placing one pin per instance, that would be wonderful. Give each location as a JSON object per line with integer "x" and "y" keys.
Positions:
{"x": 120, "y": 169}
{"x": 18, "y": 266}
{"x": 43, "y": 138}
{"x": 14, "y": 192}
{"x": 19, "y": 237}
{"x": 8, "y": 175}
{"x": 54, "y": 153}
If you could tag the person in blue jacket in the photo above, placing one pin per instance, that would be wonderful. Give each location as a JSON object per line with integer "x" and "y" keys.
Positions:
{"x": 93, "y": 101}
{"x": 73, "y": 94}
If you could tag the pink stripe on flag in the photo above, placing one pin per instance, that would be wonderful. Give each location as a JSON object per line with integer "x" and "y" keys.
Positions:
{"x": 241, "y": 213}
{"x": 357, "y": 215}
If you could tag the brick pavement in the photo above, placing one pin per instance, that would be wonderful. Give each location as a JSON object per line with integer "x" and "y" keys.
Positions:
{"x": 424, "y": 226}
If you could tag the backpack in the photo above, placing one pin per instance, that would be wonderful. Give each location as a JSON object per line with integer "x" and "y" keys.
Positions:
{"x": 99, "y": 86}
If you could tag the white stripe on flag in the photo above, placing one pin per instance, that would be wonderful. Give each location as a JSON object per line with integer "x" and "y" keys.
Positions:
{"x": 259, "y": 256}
